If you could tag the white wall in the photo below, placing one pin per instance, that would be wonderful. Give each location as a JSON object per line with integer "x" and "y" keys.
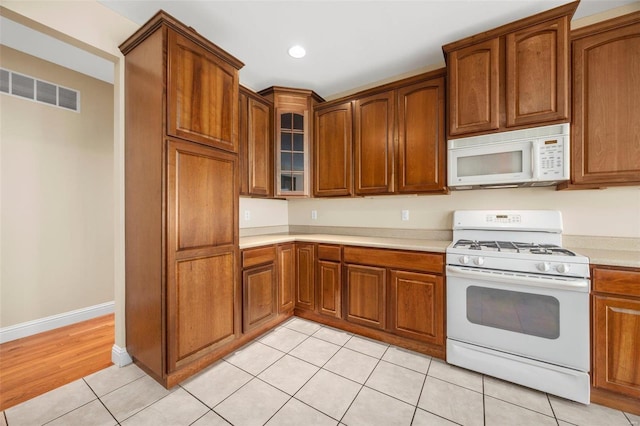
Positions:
{"x": 57, "y": 197}
{"x": 263, "y": 212}
{"x": 613, "y": 212}
{"x": 91, "y": 26}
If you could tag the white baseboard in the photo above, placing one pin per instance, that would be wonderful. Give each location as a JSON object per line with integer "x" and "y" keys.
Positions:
{"x": 30, "y": 328}
{"x": 120, "y": 356}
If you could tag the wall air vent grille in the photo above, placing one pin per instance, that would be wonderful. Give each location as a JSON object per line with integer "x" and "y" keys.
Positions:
{"x": 24, "y": 86}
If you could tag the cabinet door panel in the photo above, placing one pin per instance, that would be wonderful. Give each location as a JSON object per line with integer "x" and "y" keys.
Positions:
{"x": 606, "y": 100}
{"x": 417, "y": 306}
{"x": 305, "y": 273}
{"x": 202, "y": 215}
{"x": 201, "y": 250}
{"x": 260, "y": 149}
{"x": 329, "y": 288}
{"x": 421, "y": 137}
{"x": 537, "y": 73}
{"x": 374, "y": 133}
{"x": 617, "y": 345}
{"x": 259, "y": 296}
{"x": 473, "y": 88}
{"x": 201, "y": 309}
{"x": 286, "y": 277}
{"x": 202, "y": 95}
{"x": 333, "y": 145}
{"x": 243, "y": 142}
{"x": 366, "y": 295}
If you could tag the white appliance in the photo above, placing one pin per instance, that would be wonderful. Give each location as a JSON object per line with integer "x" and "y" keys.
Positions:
{"x": 528, "y": 157}
{"x": 517, "y": 302}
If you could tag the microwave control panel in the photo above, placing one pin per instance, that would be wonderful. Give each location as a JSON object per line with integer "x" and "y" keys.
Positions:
{"x": 551, "y": 158}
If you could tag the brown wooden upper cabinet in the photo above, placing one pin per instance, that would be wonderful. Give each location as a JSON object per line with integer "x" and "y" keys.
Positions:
{"x": 398, "y": 139}
{"x": 511, "y": 77}
{"x": 605, "y": 141}
{"x": 374, "y": 142}
{"x": 333, "y": 149}
{"x": 256, "y": 144}
{"x": 537, "y": 73}
{"x": 422, "y": 147}
{"x": 474, "y": 94}
{"x": 293, "y": 127}
{"x": 201, "y": 86}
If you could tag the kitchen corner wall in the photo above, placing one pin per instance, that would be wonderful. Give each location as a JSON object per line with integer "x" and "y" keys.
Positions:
{"x": 263, "y": 213}
{"x": 57, "y": 195}
{"x": 612, "y": 212}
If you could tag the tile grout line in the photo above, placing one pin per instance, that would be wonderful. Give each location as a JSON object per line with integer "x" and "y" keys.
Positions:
{"x": 319, "y": 369}
{"x": 484, "y": 406}
{"x": 102, "y": 402}
{"x": 421, "y": 390}
{"x": 314, "y": 374}
{"x": 308, "y": 380}
{"x": 365, "y": 381}
{"x": 258, "y": 378}
{"x": 552, "y": 410}
{"x": 210, "y": 409}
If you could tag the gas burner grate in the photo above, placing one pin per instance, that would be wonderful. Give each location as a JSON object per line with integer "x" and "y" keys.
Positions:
{"x": 513, "y": 247}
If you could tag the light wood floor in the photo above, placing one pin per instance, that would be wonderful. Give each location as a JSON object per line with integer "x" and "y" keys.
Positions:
{"x": 37, "y": 364}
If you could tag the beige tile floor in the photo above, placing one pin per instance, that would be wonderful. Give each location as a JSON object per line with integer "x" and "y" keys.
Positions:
{"x": 303, "y": 373}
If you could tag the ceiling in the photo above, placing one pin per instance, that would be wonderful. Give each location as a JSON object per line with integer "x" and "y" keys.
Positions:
{"x": 43, "y": 46}
{"x": 350, "y": 44}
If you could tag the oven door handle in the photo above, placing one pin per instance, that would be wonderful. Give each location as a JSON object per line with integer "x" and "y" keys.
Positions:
{"x": 570, "y": 284}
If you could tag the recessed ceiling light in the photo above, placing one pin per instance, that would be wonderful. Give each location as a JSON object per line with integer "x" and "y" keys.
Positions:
{"x": 297, "y": 51}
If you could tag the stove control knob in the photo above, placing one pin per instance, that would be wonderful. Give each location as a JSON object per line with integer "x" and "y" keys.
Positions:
{"x": 479, "y": 261}
{"x": 563, "y": 268}
{"x": 464, "y": 259}
{"x": 544, "y": 266}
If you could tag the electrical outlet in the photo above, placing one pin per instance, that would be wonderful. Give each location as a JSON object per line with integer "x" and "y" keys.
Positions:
{"x": 247, "y": 215}
{"x": 405, "y": 214}
{"x": 314, "y": 214}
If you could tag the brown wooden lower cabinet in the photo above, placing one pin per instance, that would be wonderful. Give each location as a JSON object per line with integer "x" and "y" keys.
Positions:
{"x": 366, "y": 290}
{"x": 286, "y": 277}
{"x": 616, "y": 338}
{"x": 305, "y": 276}
{"x": 416, "y": 308}
{"x": 329, "y": 288}
{"x": 259, "y": 287}
{"x": 259, "y": 296}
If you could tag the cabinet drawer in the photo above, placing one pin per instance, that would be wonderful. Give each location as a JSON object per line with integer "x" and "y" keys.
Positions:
{"x": 326, "y": 252}
{"x": 258, "y": 256}
{"x": 406, "y": 260}
{"x": 616, "y": 281}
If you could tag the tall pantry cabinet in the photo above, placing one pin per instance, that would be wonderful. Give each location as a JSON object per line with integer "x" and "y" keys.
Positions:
{"x": 181, "y": 199}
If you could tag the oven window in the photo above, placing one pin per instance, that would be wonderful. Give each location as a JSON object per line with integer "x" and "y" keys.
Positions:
{"x": 526, "y": 313}
{"x": 490, "y": 164}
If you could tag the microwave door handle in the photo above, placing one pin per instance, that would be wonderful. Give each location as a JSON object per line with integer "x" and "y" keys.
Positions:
{"x": 535, "y": 156}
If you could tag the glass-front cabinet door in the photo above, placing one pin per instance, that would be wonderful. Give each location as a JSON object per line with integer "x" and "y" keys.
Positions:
{"x": 292, "y": 153}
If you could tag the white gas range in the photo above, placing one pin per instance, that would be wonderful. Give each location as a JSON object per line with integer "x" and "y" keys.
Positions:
{"x": 518, "y": 302}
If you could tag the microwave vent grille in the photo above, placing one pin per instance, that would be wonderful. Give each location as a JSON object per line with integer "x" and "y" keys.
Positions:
{"x": 511, "y": 136}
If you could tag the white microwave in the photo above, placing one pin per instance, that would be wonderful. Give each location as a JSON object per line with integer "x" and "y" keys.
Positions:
{"x": 529, "y": 157}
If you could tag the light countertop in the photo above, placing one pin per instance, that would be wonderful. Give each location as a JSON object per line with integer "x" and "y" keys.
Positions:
{"x": 437, "y": 246}
{"x": 625, "y": 258}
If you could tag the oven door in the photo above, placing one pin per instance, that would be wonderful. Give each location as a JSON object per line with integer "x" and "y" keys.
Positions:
{"x": 537, "y": 317}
